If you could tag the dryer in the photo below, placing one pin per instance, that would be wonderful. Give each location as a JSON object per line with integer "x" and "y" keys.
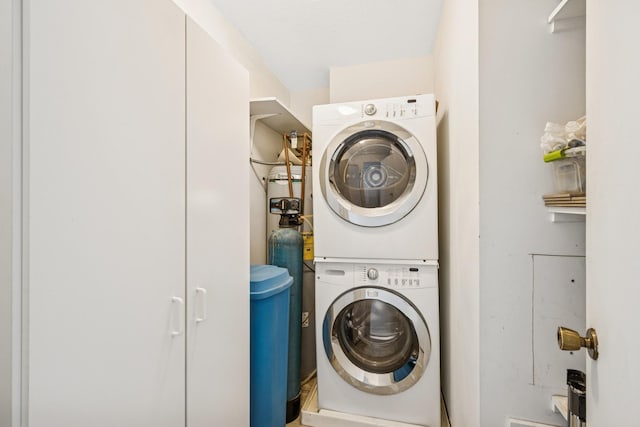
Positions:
{"x": 376, "y": 179}
{"x": 378, "y": 340}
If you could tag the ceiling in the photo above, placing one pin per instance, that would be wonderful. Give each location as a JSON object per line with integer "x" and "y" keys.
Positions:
{"x": 300, "y": 40}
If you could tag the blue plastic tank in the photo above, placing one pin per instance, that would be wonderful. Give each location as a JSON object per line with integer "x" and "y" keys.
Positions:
{"x": 286, "y": 250}
{"x": 269, "y": 344}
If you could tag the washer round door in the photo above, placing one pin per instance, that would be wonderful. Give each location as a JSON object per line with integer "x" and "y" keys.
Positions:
{"x": 376, "y": 340}
{"x": 373, "y": 173}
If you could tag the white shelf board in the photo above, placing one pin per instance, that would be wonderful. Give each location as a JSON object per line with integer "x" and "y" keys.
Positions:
{"x": 276, "y": 116}
{"x": 568, "y": 9}
{"x": 561, "y": 214}
{"x": 560, "y": 404}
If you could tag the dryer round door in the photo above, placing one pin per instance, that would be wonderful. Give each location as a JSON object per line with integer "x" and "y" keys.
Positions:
{"x": 376, "y": 340}
{"x": 373, "y": 173}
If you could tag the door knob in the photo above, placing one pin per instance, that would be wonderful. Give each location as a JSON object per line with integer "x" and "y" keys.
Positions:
{"x": 570, "y": 340}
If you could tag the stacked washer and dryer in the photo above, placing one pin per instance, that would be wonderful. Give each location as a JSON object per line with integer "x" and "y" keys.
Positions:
{"x": 376, "y": 257}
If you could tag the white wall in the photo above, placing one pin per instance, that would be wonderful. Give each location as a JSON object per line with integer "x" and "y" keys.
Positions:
{"x": 302, "y": 103}
{"x": 456, "y": 87}
{"x": 381, "y": 79}
{"x": 267, "y": 147}
{"x": 527, "y": 77}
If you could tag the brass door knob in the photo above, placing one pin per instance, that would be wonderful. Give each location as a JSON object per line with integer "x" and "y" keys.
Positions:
{"x": 570, "y": 340}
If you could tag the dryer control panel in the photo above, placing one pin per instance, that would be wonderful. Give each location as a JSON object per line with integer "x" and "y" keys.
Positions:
{"x": 398, "y": 108}
{"x": 400, "y": 276}
{"x": 410, "y": 108}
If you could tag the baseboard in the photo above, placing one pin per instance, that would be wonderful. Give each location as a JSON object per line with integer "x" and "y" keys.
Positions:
{"x": 314, "y": 417}
{"x": 512, "y": 422}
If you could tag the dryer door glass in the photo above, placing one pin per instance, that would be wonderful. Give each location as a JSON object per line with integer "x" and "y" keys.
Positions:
{"x": 373, "y": 173}
{"x": 376, "y": 336}
{"x": 373, "y": 168}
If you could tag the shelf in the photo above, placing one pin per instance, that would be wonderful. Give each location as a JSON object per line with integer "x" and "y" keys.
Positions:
{"x": 560, "y": 214}
{"x": 567, "y": 11}
{"x": 276, "y": 116}
{"x": 560, "y": 405}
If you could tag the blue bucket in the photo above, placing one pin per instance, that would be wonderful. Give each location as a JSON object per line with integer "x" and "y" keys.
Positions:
{"x": 269, "y": 344}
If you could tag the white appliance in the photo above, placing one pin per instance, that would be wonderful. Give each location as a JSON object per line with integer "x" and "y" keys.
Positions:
{"x": 375, "y": 180}
{"x": 377, "y": 330}
{"x": 278, "y": 186}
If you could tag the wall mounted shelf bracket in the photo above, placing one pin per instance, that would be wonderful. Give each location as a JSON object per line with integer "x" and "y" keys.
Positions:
{"x": 568, "y": 15}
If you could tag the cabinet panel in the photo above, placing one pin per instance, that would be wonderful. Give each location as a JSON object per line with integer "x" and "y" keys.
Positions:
{"x": 105, "y": 199}
{"x": 217, "y": 234}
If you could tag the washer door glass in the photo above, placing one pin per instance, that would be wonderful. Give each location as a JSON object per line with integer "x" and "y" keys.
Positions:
{"x": 376, "y": 340}
{"x": 376, "y": 336}
{"x": 373, "y": 168}
{"x": 373, "y": 173}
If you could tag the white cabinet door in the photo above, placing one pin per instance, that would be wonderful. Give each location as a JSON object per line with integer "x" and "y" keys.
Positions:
{"x": 105, "y": 213}
{"x": 613, "y": 234}
{"x": 217, "y": 235}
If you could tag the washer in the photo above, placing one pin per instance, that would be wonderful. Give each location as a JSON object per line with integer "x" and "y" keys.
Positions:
{"x": 377, "y": 177}
{"x": 377, "y": 330}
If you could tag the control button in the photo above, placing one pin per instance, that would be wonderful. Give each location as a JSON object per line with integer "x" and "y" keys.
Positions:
{"x": 396, "y": 282}
{"x": 370, "y": 109}
{"x": 388, "y": 281}
{"x": 404, "y": 282}
{"x": 372, "y": 274}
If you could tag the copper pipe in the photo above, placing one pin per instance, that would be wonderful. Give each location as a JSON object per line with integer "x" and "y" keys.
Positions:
{"x": 286, "y": 160}
{"x": 304, "y": 176}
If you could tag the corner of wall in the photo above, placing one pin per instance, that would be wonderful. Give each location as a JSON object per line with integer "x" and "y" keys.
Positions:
{"x": 263, "y": 83}
{"x": 457, "y": 90}
{"x": 10, "y": 106}
{"x": 302, "y": 103}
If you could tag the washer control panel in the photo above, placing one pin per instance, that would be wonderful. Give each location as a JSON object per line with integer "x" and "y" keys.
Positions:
{"x": 399, "y": 277}
{"x": 395, "y": 276}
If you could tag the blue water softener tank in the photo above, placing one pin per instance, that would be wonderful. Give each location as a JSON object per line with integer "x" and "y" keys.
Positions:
{"x": 269, "y": 339}
{"x": 285, "y": 250}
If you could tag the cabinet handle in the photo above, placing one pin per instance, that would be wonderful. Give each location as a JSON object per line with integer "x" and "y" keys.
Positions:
{"x": 201, "y": 305}
{"x": 178, "y": 316}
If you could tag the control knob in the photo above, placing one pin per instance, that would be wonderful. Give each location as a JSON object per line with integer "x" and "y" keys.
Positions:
{"x": 372, "y": 273}
{"x": 370, "y": 109}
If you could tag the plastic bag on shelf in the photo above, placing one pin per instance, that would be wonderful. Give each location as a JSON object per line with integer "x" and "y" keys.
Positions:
{"x": 560, "y": 137}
